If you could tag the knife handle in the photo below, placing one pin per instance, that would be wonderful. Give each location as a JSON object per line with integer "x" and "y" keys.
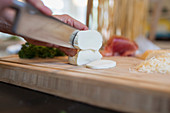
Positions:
{"x": 21, "y": 7}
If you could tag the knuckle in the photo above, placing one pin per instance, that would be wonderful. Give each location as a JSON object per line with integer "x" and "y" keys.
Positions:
{"x": 66, "y": 15}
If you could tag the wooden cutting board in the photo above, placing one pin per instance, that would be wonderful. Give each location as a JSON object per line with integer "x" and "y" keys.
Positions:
{"x": 118, "y": 88}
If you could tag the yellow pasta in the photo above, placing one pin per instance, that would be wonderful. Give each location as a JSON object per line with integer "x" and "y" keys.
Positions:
{"x": 120, "y": 17}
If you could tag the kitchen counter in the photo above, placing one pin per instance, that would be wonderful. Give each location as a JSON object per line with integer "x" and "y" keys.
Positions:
{"x": 21, "y": 100}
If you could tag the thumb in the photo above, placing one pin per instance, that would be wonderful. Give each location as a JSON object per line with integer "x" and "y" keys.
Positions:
{"x": 40, "y": 6}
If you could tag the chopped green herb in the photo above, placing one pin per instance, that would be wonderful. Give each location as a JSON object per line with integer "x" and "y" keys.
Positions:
{"x": 30, "y": 51}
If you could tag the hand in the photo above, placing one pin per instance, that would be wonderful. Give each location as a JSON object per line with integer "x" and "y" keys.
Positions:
{"x": 8, "y": 14}
{"x": 66, "y": 19}
{"x": 6, "y": 18}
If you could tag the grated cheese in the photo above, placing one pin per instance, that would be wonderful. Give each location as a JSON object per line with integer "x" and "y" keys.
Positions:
{"x": 159, "y": 64}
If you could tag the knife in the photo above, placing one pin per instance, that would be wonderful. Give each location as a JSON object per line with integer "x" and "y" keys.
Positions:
{"x": 30, "y": 22}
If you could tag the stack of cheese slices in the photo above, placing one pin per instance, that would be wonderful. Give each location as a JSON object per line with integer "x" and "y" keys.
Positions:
{"x": 88, "y": 43}
{"x": 155, "y": 61}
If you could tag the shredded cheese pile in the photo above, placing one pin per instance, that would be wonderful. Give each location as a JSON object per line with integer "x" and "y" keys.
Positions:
{"x": 159, "y": 64}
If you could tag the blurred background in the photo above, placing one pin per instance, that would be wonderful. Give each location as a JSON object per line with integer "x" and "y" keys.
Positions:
{"x": 149, "y": 19}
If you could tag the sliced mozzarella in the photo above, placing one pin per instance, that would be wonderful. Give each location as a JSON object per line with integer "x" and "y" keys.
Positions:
{"x": 88, "y": 40}
{"x": 101, "y": 64}
{"x": 85, "y": 57}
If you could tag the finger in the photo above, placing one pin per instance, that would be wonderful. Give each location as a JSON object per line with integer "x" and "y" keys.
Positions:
{"x": 72, "y": 22}
{"x": 68, "y": 51}
{"x": 77, "y": 24}
{"x": 40, "y": 43}
{"x": 39, "y": 5}
{"x": 8, "y": 15}
{"x": 5, "y": 3}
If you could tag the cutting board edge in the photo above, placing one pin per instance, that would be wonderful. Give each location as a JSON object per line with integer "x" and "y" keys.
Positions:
{"x": 91, "y": 99}
{"x": 115, "y": 80}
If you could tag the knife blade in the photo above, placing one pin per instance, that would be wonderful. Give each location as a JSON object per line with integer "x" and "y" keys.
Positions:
{"x": 30, "y": 22}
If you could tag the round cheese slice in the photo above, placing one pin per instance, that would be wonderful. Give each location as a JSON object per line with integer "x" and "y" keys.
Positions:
{"x": 101, "y": 64}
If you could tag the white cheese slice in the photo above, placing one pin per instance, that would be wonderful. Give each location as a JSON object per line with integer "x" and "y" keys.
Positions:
{"x": 88, "y": 40}
{"x": 101, "y": 64}
{"x": 84, "y": 57}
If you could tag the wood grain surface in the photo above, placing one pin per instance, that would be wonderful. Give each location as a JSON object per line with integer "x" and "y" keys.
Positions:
{"x": 117, "y": 88}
